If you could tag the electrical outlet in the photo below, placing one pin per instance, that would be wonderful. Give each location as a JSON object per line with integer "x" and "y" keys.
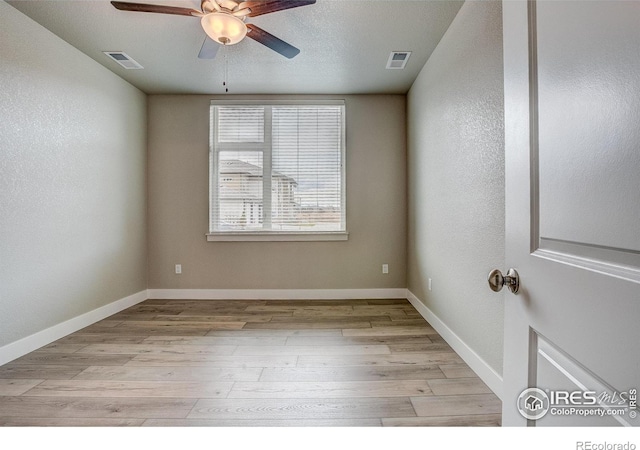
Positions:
{"x": 385, "y": 268}
{"x": 178, "y": 268}
{"x": 429, "y": 283}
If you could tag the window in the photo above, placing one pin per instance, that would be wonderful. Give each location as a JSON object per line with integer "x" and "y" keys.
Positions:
{"x": 277, "y": 171}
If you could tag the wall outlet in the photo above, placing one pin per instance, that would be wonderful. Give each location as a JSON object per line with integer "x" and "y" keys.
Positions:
{"x": 385, "y": 268}
{"x": 178, "y": 268}
{"x": 429, "y": 287}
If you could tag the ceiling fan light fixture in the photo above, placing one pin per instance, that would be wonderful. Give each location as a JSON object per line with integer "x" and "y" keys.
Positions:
{"x": 224, "y": 28}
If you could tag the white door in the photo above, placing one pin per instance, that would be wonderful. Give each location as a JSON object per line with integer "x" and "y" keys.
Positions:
{"x": 572, "y": 137}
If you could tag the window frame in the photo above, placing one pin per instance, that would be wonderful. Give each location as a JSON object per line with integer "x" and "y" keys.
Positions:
{"x": 266, "y": 149}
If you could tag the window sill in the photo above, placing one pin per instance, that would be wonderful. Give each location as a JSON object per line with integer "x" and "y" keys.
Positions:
{"x": 277, "y": 236}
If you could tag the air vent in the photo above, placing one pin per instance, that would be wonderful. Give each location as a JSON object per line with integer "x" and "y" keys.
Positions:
{"x": 397, "y": 60}
{"x": 124, "y": 60}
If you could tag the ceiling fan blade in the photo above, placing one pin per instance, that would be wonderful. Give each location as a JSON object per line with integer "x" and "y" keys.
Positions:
{"x": 209, "y": 49}
{"x": 269, "y": 40}
{"x": 269, "y": 6}
{"x": 143, "y": 7}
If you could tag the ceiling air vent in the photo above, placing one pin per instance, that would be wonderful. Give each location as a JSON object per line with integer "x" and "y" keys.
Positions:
{"x": 397, "y": 60}
{"x": 124, "y": 60}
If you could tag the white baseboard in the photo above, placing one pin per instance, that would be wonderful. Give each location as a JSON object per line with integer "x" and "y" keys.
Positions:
{"x": 275, "y": 294}
{"x": 490, "y": 377}
{"x": 28, "y": 344}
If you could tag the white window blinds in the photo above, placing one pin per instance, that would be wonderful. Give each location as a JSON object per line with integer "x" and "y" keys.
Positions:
{"x": 277, "y": 168}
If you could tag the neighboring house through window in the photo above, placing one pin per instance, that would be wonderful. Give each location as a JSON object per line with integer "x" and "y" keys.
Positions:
{"x": 277, "y": 171}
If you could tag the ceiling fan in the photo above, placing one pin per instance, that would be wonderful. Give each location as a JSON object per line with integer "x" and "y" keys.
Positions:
{"x": 224, "y": 22}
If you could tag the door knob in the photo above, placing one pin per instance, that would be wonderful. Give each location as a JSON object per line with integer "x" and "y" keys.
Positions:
{"x": 511, "y": 280}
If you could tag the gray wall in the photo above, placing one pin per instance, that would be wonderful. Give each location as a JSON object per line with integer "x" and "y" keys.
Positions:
{"x": 178, "y": 207}
{"x": 456, "y": 179}
{"x": 72, "y": 181}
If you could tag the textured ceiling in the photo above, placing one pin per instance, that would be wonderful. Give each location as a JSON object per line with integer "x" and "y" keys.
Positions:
{"x": 344, "y": 45}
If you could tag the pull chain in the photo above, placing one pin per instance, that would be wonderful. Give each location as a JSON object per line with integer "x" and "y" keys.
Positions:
{"x": 226, "y": 72}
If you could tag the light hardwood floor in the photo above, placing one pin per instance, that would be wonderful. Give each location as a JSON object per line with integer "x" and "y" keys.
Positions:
{"x": 249, "y": 363}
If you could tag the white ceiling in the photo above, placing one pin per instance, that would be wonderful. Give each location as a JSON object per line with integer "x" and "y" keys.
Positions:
{"x": 344, "y": 45}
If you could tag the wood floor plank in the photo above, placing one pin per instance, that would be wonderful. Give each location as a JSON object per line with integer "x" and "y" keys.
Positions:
{"x": 88, "y": 407}
{"x": 56, "y": 347}
{"x": 130, "y": 315}
{"x": 423, "y": 347}
{"x": 150, "y": 349}
{"x": 208, "y": 303}
{"x": 329, "y": 389}
{"x": 224, "y": 311}
{"x": 357, "y": 340}
{"x": 352, "y": 373}
{"x": 195, "y": 318}
{"x": 350, "y": 313}
{"x": 259, "y": 361}
{"x": 108, "y": 323}
{"x": 306, "y": 325}
{"x": 390, "y": 331}
{"x": 394, "y": 359}
{"x": 73, "y": 359}
{"x": 102, "y": 388}
{"x": 389, "y": 301}
{"x": 16, "y": 386}
{"x": 36, "y": 371}
{"x": 437, "y": 338}
{"x": 277, "y": 332}
{"x": 87, "y": 338}
{"x": 149, "y": 331}
{"x": 316, "y": 303}
{"x": 399, "y": 322}
{"x": 175, "y": 373}
{"x": 146, "y": 308}
{"x": 460, "y": 370}
{"x": 318, "y": 408}
{"x": 146, "y": 311}
{"x": 188, "y": 305}
{"x": 311, "y": 350}
{"x": 346, "y": 321}
{"x": 458, "y": 386}
{"x": 345, "y": 422}
{"x": 180, "y": 324}
{"x": 477, "y": 420}
{"x": 389, "y": 307}
{"x": 66, "y": 422}
{"x": 300, "y": 308}
{"x": 456, "y": 405}
{"x": 218, "y": 340}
